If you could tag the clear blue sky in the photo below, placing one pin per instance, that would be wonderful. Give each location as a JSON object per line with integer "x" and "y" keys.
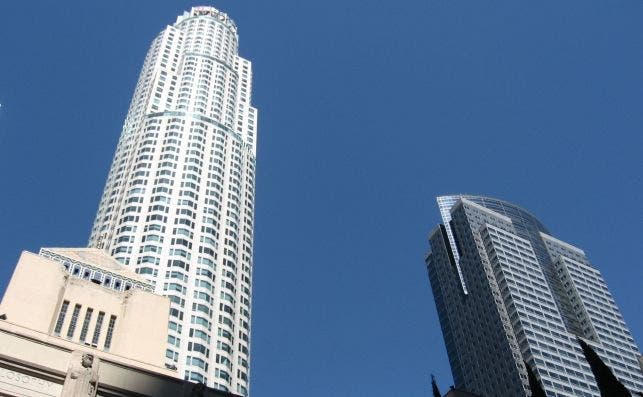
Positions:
{"x": 368, "y": 110}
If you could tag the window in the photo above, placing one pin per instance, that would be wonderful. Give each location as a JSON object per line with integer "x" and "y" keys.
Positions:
{"x": 197, "y": 362}
{"x": 99, "y": 325}
{"x": 174, "y": 326}
{"x": 110, "y": 332}
{"x": 74, "y": 320}
{"x": 173, "y": 340}
{"x": 195, "y": 377}
{"x": 61, "y": 317}
{"x": 172, "y": 355}
{"x": 88, "y": 317}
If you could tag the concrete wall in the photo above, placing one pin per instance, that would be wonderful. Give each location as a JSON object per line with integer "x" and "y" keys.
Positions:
{"x": 33, "y": 292}
{"x": 142, "y": 333}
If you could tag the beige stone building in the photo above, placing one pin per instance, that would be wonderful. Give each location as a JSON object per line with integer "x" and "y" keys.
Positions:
{"x": 74, "y": 322}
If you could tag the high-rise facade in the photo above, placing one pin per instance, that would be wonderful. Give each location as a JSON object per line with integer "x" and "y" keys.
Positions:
{"x": 178, "y": 204}
{"x": 509, "y": 294}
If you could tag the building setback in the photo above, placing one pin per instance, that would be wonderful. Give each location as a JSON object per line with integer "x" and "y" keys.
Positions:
{"x": 507, "y": 292}
{"x": 178, "y": 204}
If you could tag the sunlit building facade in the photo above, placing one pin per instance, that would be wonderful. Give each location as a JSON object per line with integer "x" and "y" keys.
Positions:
{"x": 508, "y": 293}
{"x": 178, "y": 204}
{"x": 89, "y": 326}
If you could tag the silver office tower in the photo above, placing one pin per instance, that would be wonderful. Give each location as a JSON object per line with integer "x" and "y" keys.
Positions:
{"x": 508, "y": 293}
{"x": 178, "y": 204}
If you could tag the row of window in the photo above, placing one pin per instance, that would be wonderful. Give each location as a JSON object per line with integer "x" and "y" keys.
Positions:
{"x": 72, "y": 325}
{"x": 85, "y": 272}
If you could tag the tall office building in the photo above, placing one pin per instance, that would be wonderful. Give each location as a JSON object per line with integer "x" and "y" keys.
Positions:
{"x": 178, "y": 204}
{"x": 508, "y": 293}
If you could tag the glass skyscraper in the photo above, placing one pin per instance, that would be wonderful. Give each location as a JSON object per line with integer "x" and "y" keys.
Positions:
{"x": 508, "y": 293}
{"x": 178, "y": 204}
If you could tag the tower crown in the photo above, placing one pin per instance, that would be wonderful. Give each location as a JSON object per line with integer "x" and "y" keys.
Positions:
{"x": 208, "y": 11}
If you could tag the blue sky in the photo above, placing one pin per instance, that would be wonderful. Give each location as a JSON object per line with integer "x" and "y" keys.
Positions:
{"x": 368, "y": 110}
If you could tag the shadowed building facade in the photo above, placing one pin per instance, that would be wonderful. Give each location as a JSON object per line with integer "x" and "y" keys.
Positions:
{"x": 507, "y": 292}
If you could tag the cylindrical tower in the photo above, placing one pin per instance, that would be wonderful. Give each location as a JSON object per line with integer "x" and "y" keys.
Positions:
{"x": 178, "y": 204}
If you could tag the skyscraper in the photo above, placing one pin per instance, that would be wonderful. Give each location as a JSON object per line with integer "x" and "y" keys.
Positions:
{"x": 508, "y": 293}
{"x": 178, "y": 204}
